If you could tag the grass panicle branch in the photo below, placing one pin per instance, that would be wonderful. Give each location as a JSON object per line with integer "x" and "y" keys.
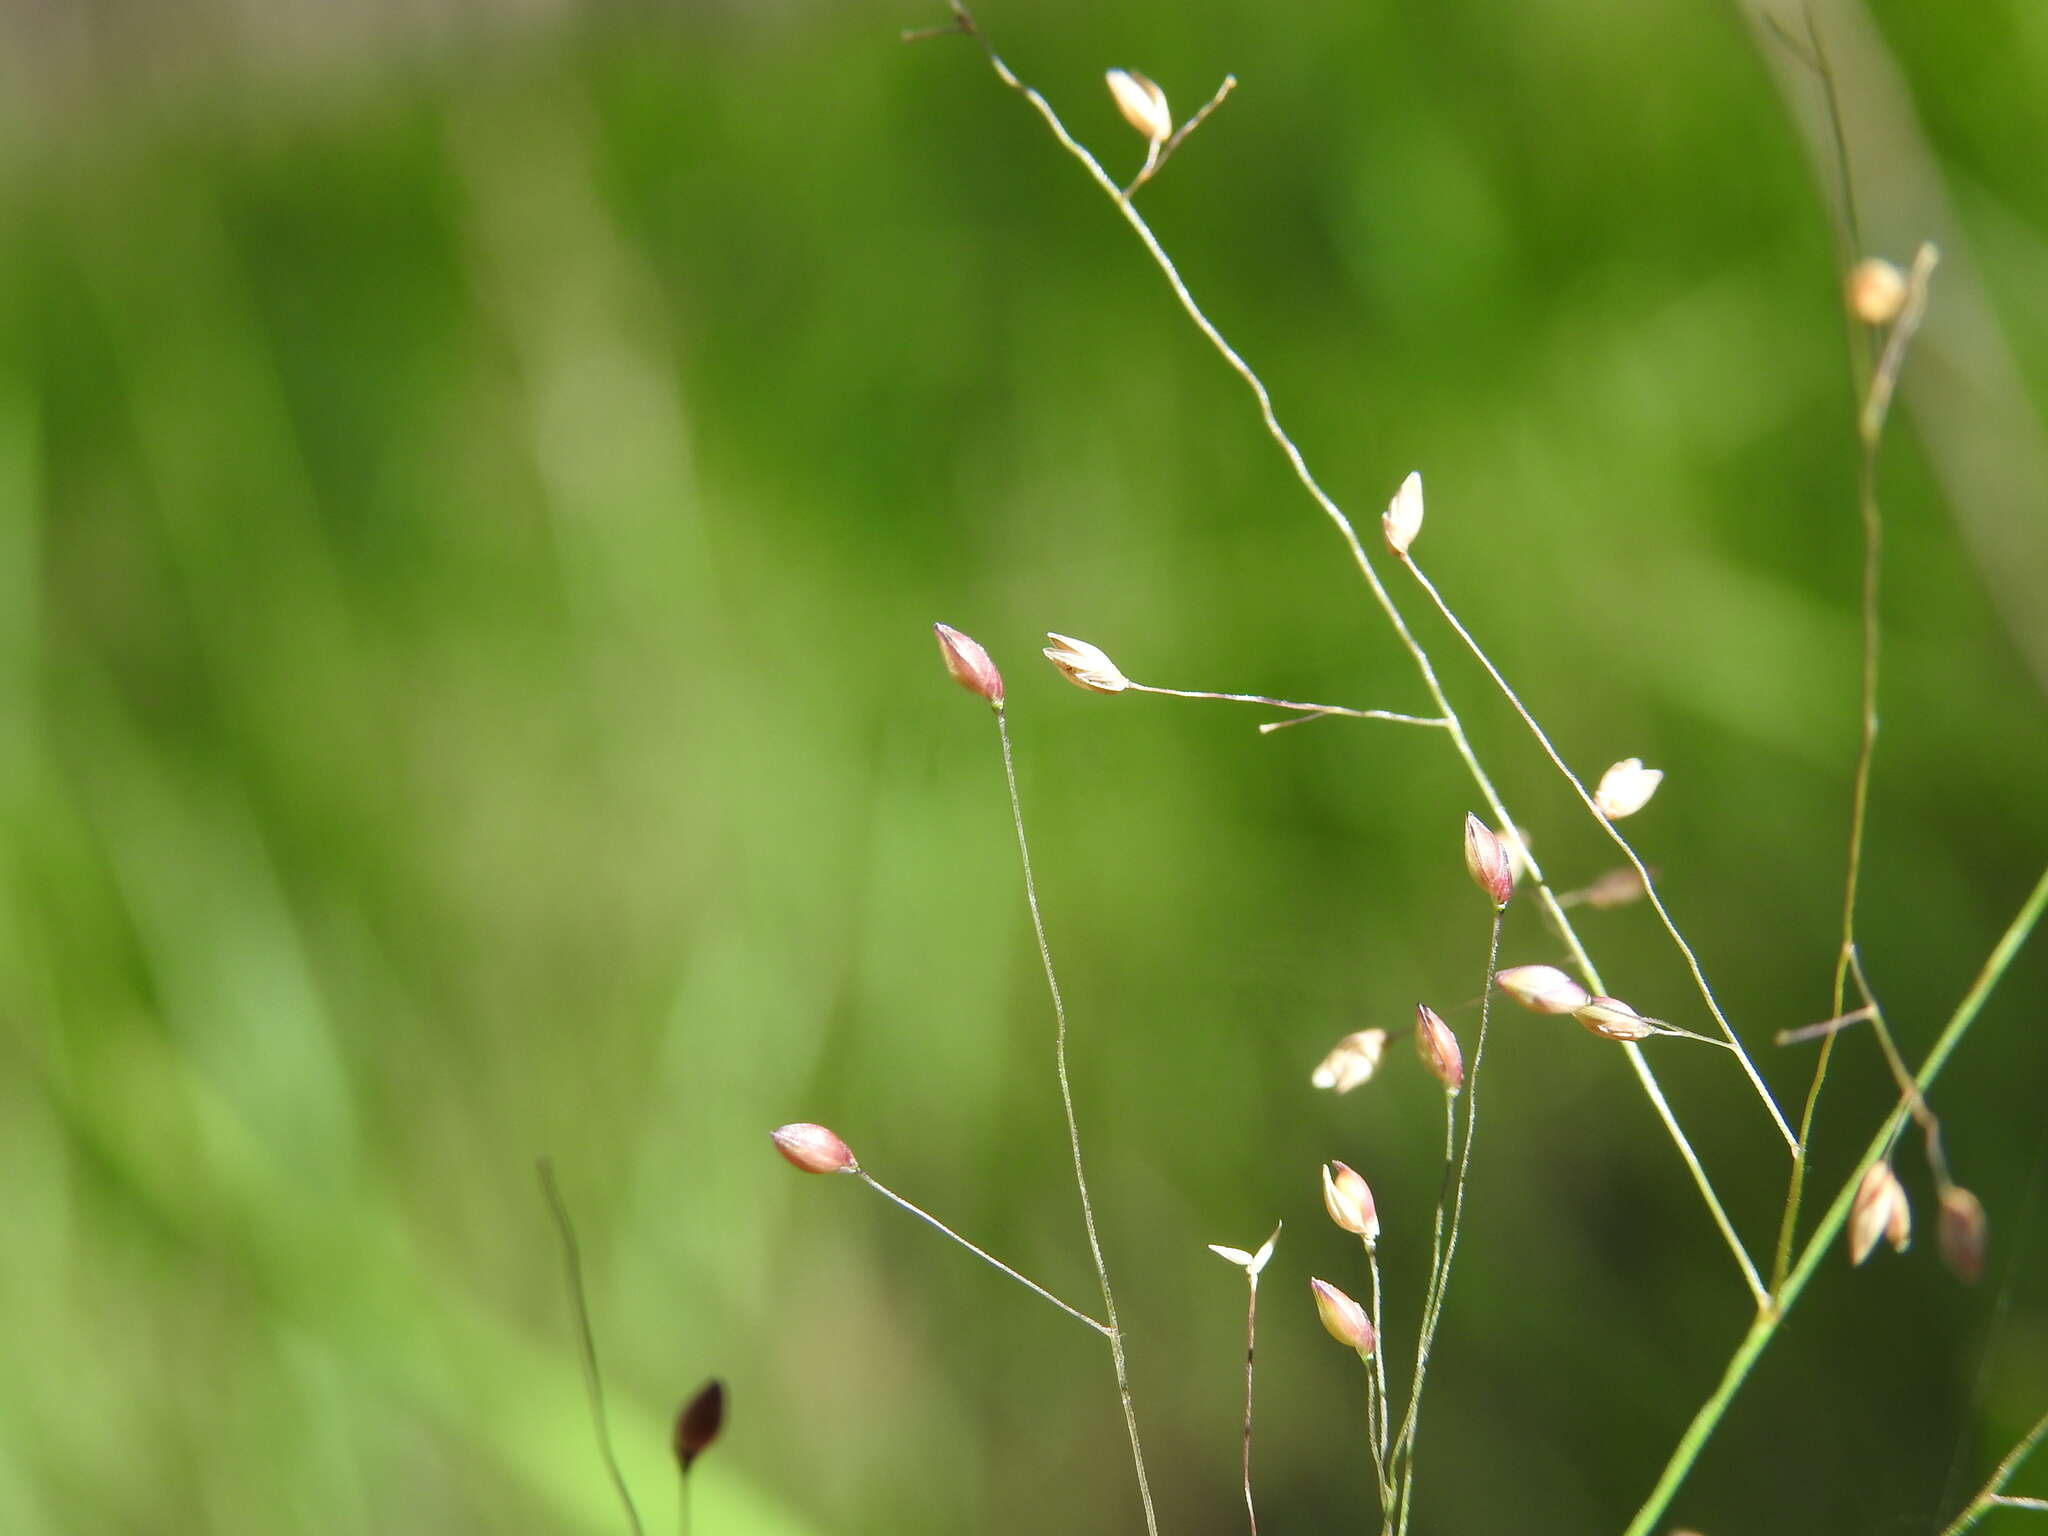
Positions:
{"x": 965, "y": 24}
{"x": 1764, "y": 1328}
{"x": 980, "y": 1253}
{"x": 1870, "y": 424}
{"x": 1112, "y": 1331}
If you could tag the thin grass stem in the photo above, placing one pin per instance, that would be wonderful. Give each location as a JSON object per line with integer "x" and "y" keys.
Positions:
{"x": 1434, "y": 1307}
{"x": 1992, "y": 1495}
{"x": 1059, "y": 1008}
{"x": 1379, "y": 1370}
{"x": 586, "y": 1340}
{"x": 1628, "y": 851}
{"x": 1870, "y": 425}
{"x": 1761, "y": 1331}
{"x": 1452, "y": 725}
{"x": 980, "y": 1253}
{"x": 1308, "y": 711}
{"x": 1251, "y": 1346}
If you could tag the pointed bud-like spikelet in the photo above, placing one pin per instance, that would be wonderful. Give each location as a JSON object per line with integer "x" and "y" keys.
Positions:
{"x": 1438, "y": 1048}
{"x": 1542, "y": 989}
{"x": 1085, "y": 665}
{"x": 1344, "y": 1318}
{"x": 1616, "y": 888}
{"x": 1403, "y": 518}
{"x": 1250, "y": 1263}
{"x": 1876, "y": 291}
{"x": 1960, "y": 1226}
{"x": 813, "y": 1148}
{"x": 1352, "y": 1061}
{"x": 1142, "y": 103}
{"x": 1879, "y": 1210}
{"x": 1348, "y": 1199}
{"x": 699, "y": 1422}
{"x": 1488, "y": 862}
{"x": 969, "y": 664}
{"x": 1626, "y": 788}
{"x": 1612, "y": 1019}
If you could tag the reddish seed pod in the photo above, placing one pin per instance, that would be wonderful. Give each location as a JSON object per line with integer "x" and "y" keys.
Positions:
{"x": 969, "y": 664}
{"x": 1344, "y": 1318}
{"x": 1438, "y": 1048}
{"x": 698, "y": 1422}
{"x": 813, "y": 1148}
{"x": 1961, "y": 1228}
{"x": 1488, "y": 862}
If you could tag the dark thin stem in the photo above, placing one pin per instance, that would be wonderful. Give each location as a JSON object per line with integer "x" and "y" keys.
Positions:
{"x": 1059, "y": 1010}
{"x": 1765, "y": 1326}
{"x": 593, "y": 1378}
{"x": 1251, "y": 1342}
{"x": 982, "y": 1254}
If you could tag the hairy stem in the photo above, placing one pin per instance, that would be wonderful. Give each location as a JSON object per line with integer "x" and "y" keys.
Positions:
{"x": 1059, "y": 1009}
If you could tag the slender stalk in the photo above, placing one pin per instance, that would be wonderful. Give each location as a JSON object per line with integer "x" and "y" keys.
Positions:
{"x": 1157, "y": 155}
{"x": 1434, "y": 1307}
{"x": 1251, "y": 1343}
{"x": 1870, "y": 423}
{"x": 964, "y": 22}
{"x": 1627, "y": 850}
{"x": 1059, "y": 1009}
{"x": 1310, "y": 711}
{"x": 1765, "y": 1326}
{"x": 1992, "y": 1496}
{"x": 1403, "y": 1452}
{"x": 593, "y": 1378}
{"x": 982, "y": 1254}
{"x": 1379, "y": 1371}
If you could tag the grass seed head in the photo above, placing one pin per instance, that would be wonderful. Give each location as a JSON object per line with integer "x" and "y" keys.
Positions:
{"x": 1542, "y": 989}
{"x": 1142, "y": 103}
{"x": 1438, "y": 1048}
{"x": 1352, "y": 1061}
{"x": 698, "y": 1423}
{"x": 813, "y": 1148}
{"x": 1879, "y": 1210}
{"x": 1960, "y": 1227}
{"x": 969, "y": 664}
{"x": 1344, "y": 1318}
{"x": 1348, "y": 1199}
{"x": 1876, "y": 291}
{"x": 1403, "y": 518}
{"x": 1085, "y": 665}
{"x": 1612, "y": 1019}
{"x": 1488, "y": 861}
{"x": 1626, "y": 788}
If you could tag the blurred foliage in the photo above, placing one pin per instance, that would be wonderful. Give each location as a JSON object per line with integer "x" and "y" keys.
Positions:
{"x": 471, "y": 509}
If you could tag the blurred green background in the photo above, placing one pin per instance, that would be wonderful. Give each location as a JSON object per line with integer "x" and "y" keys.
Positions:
{"x": 475, "y": 483}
